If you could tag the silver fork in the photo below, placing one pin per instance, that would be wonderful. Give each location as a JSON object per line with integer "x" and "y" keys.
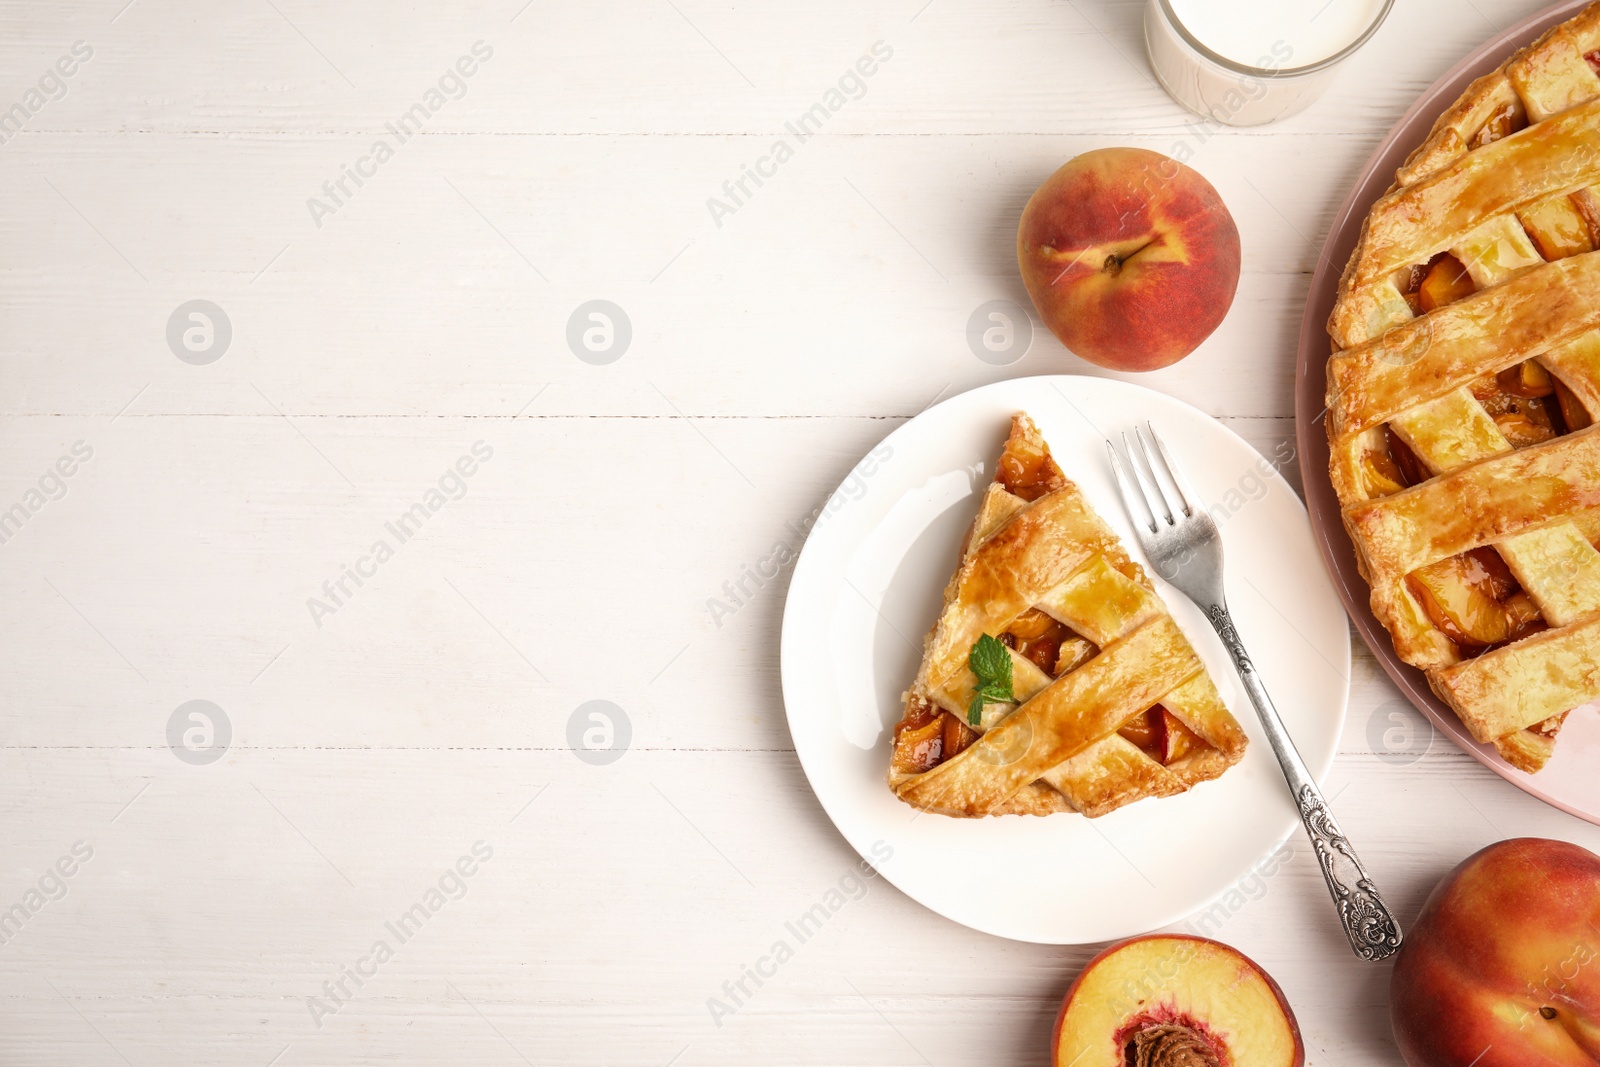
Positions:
{"x": 1183, "y": 544}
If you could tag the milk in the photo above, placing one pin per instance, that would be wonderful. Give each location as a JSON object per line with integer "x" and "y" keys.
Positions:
{"x": 1245, "y": 62}
{"x": 1276, "y": 34}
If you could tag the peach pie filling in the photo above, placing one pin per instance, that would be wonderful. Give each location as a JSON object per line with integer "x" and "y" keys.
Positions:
{"x": 1475, "y": 601}
{"x": 1026, "y": 471}
{"x": 1160, "y": 735}
{"x": 1440, "y": 281}
{"x": 1528, "y": 404}
{"x": 1047, "y": 643}
{"x": 1504, "y": 121}
{"x": 928, "y": 735}
{"x": 1558, "y": 227}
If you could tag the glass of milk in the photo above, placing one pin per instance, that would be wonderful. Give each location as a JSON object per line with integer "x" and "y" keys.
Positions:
{"x": 1246, "y": 62}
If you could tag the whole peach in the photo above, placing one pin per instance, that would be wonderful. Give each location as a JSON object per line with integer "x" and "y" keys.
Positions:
{"x": 1131, "y": 258}
{"x": 1502, "y": 968}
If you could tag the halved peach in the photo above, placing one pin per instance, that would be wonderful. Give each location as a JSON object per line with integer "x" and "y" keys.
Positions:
{"x": 1173, "y": 1001}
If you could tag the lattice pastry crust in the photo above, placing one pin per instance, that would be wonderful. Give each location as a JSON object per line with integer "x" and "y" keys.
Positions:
{"x": 1462, "y": 390}
{"x": 1111, "y": 702}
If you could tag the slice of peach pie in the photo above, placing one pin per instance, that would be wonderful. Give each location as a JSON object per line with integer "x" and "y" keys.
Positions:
{"x": 1054, "y": 679}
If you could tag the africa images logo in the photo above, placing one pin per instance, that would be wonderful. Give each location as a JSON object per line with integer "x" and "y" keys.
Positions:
{"x": 851, "y": 85}
{"x": 452, "y": 85}
{"x": 52, "y": 86}
{"x": 337, "y": 592}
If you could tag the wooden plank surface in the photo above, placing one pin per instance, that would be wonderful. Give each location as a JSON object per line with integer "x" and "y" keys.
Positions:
{"x": 377, "y": 741}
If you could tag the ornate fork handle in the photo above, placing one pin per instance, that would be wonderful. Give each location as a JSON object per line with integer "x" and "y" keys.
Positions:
{"x": 1372, "y": 931}
{"x": 1367, "y": 920}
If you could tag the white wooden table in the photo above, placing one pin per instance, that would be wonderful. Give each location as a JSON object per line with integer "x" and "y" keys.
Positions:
{"x": 377, "y": 337}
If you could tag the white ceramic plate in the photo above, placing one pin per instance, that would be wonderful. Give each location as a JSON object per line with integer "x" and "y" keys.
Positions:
{"x": 870, "y": 582}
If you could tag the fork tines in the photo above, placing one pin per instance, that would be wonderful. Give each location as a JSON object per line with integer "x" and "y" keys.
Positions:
{"x": 1164, "y": 493}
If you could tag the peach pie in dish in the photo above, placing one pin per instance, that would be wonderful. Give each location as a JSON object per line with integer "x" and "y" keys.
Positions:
{"x": 1054, "y": 679}
{"x": 1462, "y": 391}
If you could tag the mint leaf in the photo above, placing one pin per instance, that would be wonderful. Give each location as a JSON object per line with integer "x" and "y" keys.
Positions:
{"x": 988, "y": 694}
{"x": 991, "y": 662}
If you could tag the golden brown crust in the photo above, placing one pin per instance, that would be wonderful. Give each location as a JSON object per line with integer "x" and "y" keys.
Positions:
{"x": 1488, "y": 331}
{"x": 1526, "y": 683}
{"x": 1510, "y": 496}
{"x": 1517, "y": 84}
{"x": 1056, "y": 747}
{"x": 1503, "y": 184}
{"x": 1414, "y": 222}
{"x": 1490, "y": 501}
{"x": 1077, "y": 710}
{"x": 1035, "y": 551}
{"x": 1466, "y": 117}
